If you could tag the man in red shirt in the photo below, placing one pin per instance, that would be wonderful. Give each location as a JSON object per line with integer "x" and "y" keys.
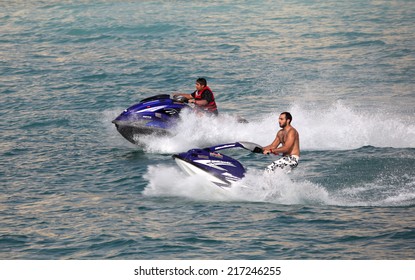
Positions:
{"x": 202, "y": 97}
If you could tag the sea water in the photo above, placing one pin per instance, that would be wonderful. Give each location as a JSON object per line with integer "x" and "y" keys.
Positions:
{"x": 73, "y": 188}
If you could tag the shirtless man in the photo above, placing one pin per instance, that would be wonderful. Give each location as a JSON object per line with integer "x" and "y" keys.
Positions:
{"x": 288, "y": 137}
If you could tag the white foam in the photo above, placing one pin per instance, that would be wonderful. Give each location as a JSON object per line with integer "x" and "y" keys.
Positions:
{"x": 175, "y": 183}
{"x": 277, "y": 187}
{"x": 335, "y": 128}
{"x": 340, "y": 127}
{"x": 202, "y": 131}
{"x": 257, "y": 186}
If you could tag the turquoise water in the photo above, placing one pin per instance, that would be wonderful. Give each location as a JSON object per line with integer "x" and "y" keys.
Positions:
{"x": 73, "y": 188}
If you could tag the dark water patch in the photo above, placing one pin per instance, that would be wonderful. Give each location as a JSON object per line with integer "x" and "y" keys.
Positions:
{"x": 12, "y": 241}
{"x": 39, "y": 123}
{"x": 109, "y": 243}
{"x": 372, "y": 43}
{"x": 50, "y": 252}
{"x": 201, "y": 240}
{"x": 405, "y": 234}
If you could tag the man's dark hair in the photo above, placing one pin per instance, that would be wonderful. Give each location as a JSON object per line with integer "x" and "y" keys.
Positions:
{"x": 287, "y": 116}
{"x": 202, "y": 81}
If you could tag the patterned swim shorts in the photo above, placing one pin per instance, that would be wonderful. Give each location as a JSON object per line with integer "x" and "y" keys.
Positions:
{"x": 291, "y": 161}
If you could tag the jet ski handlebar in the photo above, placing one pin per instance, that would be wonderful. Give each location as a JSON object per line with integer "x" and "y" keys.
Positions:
{"x": 180, "y": 98}
{"x": 255, "y": 148}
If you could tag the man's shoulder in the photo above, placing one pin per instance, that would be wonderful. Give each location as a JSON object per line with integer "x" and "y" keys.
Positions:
{"x": 207, "y": 94}
{"x": 292, "y": 131}
{"x": 207, "y": 91}
{"x": 280, "y": 132}
{"x": 289, "y": 131}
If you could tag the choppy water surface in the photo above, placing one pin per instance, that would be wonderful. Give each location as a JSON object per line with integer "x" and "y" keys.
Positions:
{"x": 73, "y": 188}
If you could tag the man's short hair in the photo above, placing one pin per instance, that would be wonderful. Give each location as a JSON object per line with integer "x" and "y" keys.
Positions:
{"x": 287, "y": 116}
{"x": 201, "y": 81}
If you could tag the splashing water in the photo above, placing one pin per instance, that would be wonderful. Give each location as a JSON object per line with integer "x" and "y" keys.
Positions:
{"x": 336, "y": 128}
{"x": 277, "y": 187}
{"x": 256, "y": 186}
{"x": 341, "y": 127}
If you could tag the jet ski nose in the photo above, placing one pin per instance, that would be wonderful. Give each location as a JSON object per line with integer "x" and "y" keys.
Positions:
{"x": 116, "y": 122}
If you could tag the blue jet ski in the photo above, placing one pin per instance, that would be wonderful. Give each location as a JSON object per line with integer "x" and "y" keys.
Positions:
{"x": 221, "y": 170}
{"x": 153, "y": 115}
